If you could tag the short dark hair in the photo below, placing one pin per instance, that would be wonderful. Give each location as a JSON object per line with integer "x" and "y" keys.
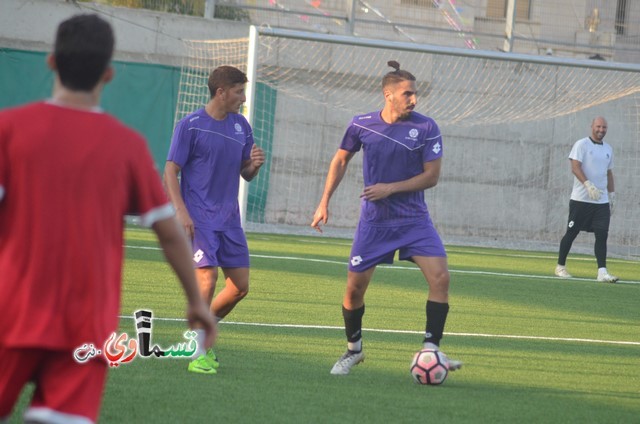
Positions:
{"x": 82, "y": 51}
{"x": 397, "y": 75}
{"x": 225, "y": 77}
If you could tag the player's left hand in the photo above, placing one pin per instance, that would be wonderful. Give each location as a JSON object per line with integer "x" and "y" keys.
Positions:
{"x": 257, "y": 156}
{"x": 377, "y": 192}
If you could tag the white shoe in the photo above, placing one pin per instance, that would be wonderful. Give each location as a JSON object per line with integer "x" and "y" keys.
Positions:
{"x": 561, "y": 272}
{"x": 346, "y": 362}
{"x": 607, "y": 278}
{"x": 454, "y": 364}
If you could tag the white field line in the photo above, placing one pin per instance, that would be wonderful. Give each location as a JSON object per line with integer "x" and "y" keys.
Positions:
{"x": 378, "y": 330}
{"x": 475, "y": 252}
{"x": 454, "y": 271}
{"x": 504, "y": 336}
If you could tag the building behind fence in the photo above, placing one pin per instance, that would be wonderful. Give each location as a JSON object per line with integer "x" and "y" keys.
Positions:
{"x": 598, "y": 29}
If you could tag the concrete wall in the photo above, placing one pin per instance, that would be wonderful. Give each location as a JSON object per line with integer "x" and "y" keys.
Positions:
{"x": 504, "y": 182}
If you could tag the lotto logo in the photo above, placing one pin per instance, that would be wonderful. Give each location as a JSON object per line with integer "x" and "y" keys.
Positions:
{"x": 570, "y": 224}
{"x": 436, "y": 148}
{"x": 356, "y": 260}
{"x": 197, "y": 257}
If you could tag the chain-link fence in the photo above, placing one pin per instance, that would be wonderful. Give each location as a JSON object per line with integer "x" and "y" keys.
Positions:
{"x": 587, "y": 29}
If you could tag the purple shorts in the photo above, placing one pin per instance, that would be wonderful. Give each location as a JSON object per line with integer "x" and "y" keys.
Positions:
{"x": 227, "y": 249}
{"x": 377, "y": 245}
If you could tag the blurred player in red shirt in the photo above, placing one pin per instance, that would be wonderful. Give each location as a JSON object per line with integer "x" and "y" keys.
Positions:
{"x": 68, "y": 174}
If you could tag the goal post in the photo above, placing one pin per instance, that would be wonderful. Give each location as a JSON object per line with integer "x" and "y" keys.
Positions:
{"x": 508, "y": 123}
{"x": 252, "y": 58}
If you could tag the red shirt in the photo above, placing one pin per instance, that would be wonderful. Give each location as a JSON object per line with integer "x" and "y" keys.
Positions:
{"x": 67, "y": 178}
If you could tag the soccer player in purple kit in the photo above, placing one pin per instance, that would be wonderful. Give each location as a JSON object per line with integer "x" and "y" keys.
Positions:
{"x": 402, "y": 158}
{"x": 211, "y": 148}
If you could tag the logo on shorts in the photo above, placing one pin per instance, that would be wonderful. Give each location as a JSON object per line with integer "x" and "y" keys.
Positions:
{"x": 436, "y": 148}
{"x": 121, "y": 349}
{"x": 356, "y": 260}
{"x": 571, "y": 224}
{"x": 197, "y": 257}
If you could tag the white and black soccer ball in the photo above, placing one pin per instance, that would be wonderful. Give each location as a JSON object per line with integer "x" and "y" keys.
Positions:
{"x": 429, "y": 366}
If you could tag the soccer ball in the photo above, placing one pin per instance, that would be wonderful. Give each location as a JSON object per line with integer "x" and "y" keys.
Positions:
{"x": 429, "y": 366}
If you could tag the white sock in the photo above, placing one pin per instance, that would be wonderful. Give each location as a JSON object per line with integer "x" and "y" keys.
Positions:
{"x": 355, "y": 346}
{"x": 200, "y": 336}
{"x": 602, "y": 271}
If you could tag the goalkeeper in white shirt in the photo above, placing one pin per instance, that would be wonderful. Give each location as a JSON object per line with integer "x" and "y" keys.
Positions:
{"x": 592, "y": 198}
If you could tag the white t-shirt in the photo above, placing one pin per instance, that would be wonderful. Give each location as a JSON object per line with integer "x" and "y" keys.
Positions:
{"x": 596, "y": 160}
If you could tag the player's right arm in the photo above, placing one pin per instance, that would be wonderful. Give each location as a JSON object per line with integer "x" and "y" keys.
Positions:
{"x": 172, "y": 186}
{"x": 576, "y": 169}
{"x": 337, "y": 169}
{"x": 178, "y": 253}
{"x": 593, "y": 191}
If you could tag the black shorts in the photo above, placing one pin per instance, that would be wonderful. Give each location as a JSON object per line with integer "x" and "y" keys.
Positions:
{"x": 585, "y": 216}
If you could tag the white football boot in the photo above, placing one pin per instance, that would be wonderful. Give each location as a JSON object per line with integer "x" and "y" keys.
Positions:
{"x": 605, "y": 277}
{"x": 454, "y": 364}
{"x": 347, "y": 361}
{"x": 561, "y": 271}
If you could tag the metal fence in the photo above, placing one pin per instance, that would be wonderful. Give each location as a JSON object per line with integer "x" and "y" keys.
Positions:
{"x": 584, "y": 29}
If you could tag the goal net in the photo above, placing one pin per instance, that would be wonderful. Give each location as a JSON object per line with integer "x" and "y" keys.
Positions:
{"x": 508, "y": 124}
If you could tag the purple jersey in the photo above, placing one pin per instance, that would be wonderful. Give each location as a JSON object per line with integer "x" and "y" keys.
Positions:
{"x": 393, "y": 152}
{"x": 210, "y": 154}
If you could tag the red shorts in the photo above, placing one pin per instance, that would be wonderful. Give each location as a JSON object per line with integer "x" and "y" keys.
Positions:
{"x": 64, "y": 389}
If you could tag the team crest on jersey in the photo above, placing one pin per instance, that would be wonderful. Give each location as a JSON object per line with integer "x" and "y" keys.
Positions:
{"x": 238, "y": 128}
{"x": 413, "y": 133}
{"x": 436, "y": 148}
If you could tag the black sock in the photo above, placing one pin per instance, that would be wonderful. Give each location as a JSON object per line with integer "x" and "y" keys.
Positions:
{"x": 353, "y": 323}
{"x": 436, "y": 318}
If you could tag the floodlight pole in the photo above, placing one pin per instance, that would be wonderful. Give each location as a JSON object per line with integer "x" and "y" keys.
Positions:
{"x": 509, "y": 26}
{"x": 351, "y": 16}
{"x": 209, "y": 9}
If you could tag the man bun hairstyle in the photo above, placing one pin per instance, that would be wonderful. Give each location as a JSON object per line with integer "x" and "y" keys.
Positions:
{"x": 397, "y": 75}
{"x": 395, "y": 65}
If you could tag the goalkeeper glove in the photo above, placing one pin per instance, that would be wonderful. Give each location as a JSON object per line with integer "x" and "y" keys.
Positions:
{"x": 593, "y": 191}
{"x": 612, "y": 199}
